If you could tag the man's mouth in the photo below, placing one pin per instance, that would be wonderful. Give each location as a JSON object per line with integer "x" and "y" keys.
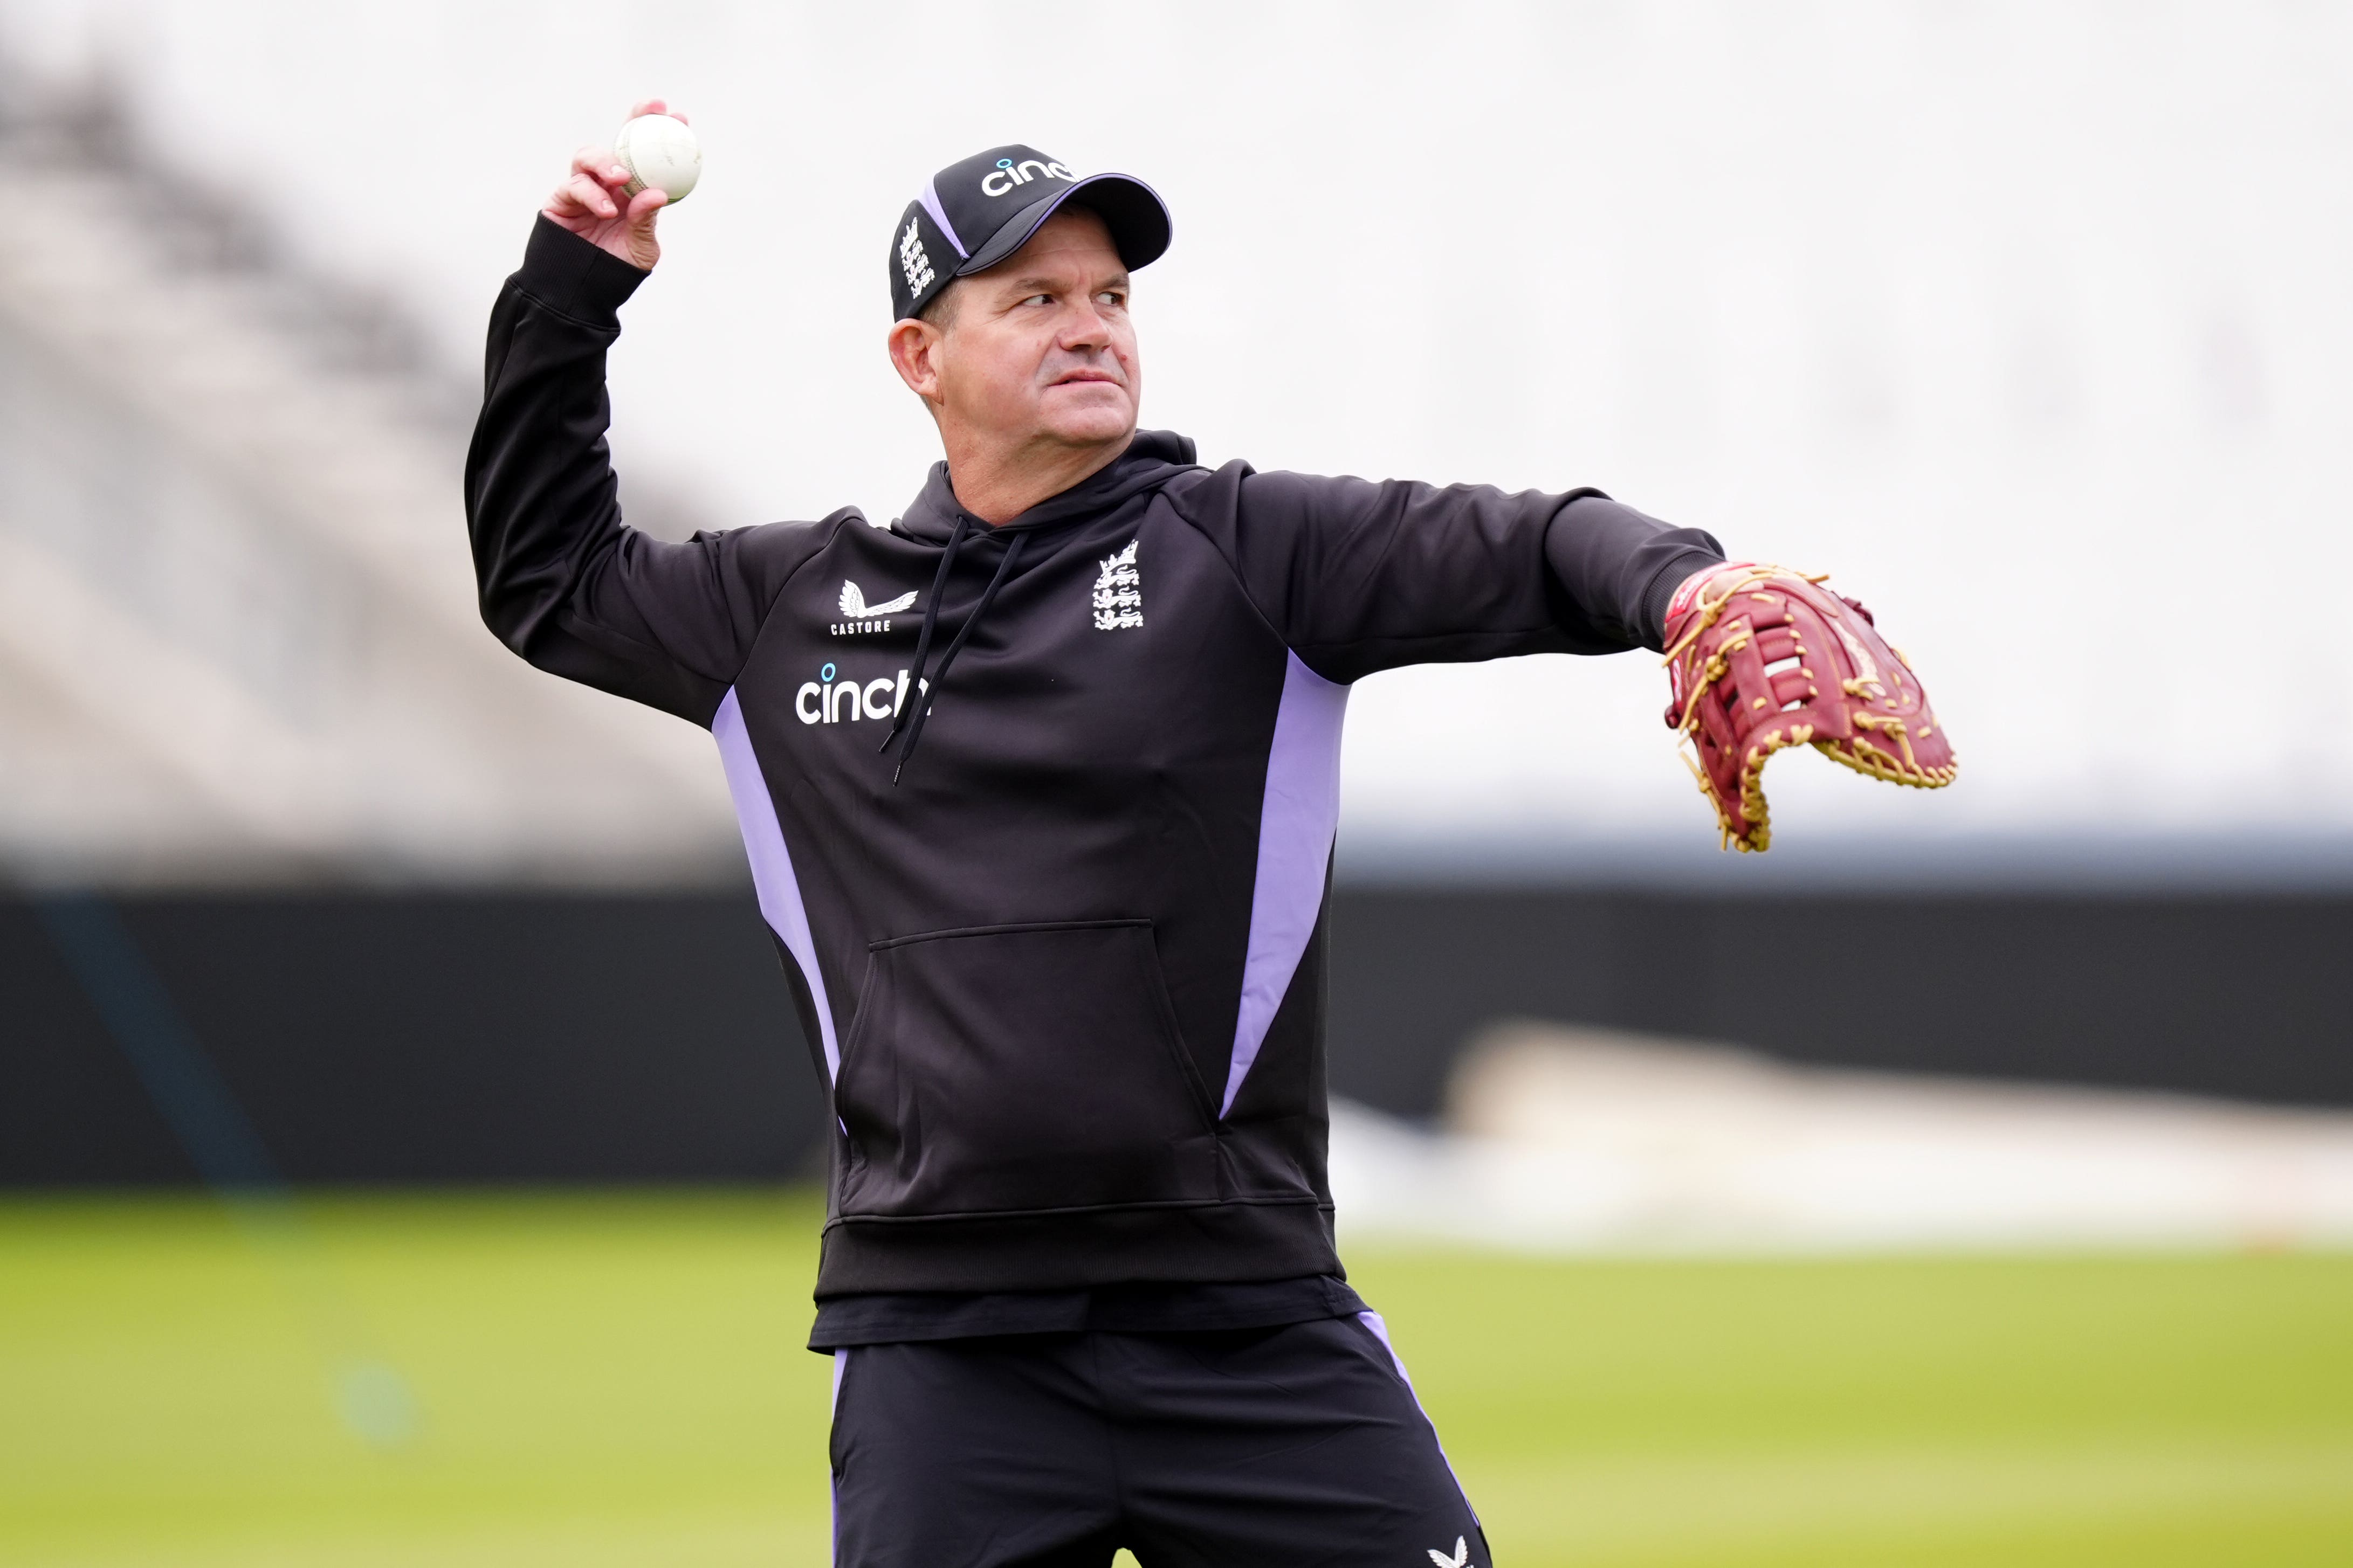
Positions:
{"x": 1068, "y": 377}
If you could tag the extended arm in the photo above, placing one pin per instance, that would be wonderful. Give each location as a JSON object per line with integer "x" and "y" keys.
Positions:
{"x": 1359, "y": 577}
{"x": 1620, "y": 568}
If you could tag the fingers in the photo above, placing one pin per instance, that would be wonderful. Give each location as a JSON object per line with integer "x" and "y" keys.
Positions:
{"x": 601, "y": 163}
{"x": 657, "y": 106}
{"x": 594, "y": 188}
{"x": 583, "y": 195}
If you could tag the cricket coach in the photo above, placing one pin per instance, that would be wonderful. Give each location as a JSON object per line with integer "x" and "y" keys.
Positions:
{"x": 1038, "y": 786}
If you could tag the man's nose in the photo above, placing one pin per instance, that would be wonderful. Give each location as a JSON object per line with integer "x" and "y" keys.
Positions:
{"x": 1083, "y": 327}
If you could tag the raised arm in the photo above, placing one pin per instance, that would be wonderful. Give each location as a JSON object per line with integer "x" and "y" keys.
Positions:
{"x": 563, "y": 582}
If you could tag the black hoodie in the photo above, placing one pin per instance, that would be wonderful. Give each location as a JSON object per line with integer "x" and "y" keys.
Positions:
{"x": 1065, "y": 975}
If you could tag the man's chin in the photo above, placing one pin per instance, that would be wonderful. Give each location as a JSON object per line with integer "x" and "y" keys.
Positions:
{"x": 1094, "y": 426}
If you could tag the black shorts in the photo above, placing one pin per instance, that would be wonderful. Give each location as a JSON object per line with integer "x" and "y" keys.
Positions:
{"x": 1284, "y": 1447}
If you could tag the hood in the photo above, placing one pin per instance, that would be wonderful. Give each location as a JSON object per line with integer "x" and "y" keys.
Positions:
{"x": 1152, "y": 458}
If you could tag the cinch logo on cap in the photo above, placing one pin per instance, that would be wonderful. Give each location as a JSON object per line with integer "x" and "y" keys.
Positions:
{"x": 1008, "y": 174}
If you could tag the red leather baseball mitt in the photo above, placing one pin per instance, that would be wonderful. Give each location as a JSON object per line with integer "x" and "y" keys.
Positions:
{"x": 1763, "y": 658}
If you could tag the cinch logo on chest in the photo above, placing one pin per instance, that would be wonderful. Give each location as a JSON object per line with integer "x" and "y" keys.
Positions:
{"x": 858, "y": 618}
{"x": 828, "y": 700}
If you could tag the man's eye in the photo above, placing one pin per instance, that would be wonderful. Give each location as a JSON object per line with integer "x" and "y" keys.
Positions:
{"x": 1111, "y": 297}
{"x": 1039, "y": 300}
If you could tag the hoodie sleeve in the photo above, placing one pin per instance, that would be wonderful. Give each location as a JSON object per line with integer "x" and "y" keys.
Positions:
{"x": 563, "y": 582}
{"x": 1358, "y": 576}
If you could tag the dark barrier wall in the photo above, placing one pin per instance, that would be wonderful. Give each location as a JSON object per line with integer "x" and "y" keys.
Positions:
{"x": 623, "y": 1038}
{"x": 425, "y": 1039}
{"x": 2237, "y": 995}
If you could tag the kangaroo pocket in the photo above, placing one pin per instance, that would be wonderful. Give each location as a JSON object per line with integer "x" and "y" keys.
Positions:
{"x": 1017, "y": 1067}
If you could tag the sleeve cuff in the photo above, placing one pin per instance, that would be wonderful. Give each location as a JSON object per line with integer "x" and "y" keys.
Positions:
{"x": 568, "y": 275}
{"x": 1670, "y": 577}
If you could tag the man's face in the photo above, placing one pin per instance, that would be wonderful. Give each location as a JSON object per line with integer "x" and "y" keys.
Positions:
{"x": 1036, "y": 351}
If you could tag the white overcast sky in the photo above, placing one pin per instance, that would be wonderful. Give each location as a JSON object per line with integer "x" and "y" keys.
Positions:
{"x": 2029, "y": 321}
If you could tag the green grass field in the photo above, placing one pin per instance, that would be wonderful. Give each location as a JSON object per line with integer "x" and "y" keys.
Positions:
{"x": 616, "y": 1379}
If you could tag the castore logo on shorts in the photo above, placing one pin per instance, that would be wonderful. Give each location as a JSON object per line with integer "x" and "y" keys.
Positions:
{"x": 1008, "y": 174}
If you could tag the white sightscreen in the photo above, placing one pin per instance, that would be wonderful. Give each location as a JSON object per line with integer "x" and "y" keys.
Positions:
{"x": 2028, "y": 321}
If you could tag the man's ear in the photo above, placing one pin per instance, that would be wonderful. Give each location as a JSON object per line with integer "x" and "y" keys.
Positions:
{"x": 916, "y": 347}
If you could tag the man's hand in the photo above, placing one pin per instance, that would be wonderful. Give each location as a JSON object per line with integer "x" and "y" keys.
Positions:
{"x": 593, "y": 204}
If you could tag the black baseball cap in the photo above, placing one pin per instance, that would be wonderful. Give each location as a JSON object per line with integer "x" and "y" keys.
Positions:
{"x": 975, "y": 214}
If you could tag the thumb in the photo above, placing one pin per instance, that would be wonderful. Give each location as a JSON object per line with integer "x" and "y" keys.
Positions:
{"x": 644, "y": 208}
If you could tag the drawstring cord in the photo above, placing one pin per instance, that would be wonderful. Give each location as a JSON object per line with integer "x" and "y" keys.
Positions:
{"x": 923, "y": 704}
{"x": 911, "y": 715}
{"x": 924, "y": 638}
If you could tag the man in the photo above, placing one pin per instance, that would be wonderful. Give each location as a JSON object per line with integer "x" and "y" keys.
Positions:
{"x": 1039, "y": 786}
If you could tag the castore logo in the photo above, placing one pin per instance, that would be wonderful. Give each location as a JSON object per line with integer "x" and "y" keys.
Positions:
{"x": 860, "y": 617}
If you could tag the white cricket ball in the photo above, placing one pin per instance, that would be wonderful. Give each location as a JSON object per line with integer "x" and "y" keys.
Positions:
{"x": 660, "y": 152}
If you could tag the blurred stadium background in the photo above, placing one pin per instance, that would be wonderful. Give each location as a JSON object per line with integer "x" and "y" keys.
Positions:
{"x": 404, "y": 1139}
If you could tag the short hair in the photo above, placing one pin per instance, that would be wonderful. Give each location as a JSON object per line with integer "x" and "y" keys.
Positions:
{"x": 937, "y": 310}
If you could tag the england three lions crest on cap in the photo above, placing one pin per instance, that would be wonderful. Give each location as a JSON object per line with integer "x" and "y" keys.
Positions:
{"x": 913, "y": 261}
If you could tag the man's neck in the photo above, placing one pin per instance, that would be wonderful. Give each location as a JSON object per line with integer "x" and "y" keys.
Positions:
{"x": 998, "y": 488}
